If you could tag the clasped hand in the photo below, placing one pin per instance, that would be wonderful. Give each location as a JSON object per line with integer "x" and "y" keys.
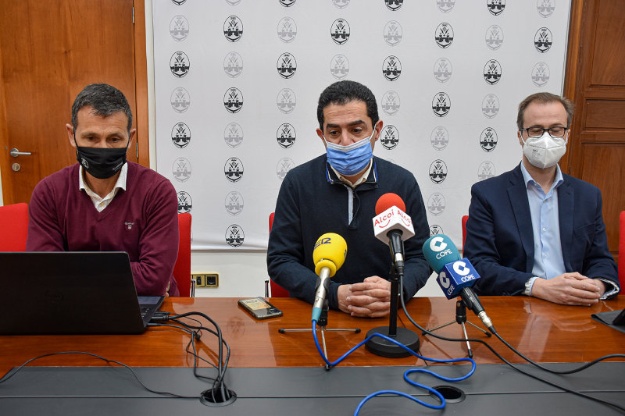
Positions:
{"x": 371, "y": 298}
{"x": 569, "y": 289}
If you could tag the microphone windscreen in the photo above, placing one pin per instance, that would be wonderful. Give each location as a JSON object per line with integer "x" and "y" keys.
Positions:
{"x": 389, "y": 200}
{"x": 330, "y": 251}
{"x": 439, "y": 250}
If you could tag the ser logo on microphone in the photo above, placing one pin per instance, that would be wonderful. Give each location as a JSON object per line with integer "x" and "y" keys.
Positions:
{"x": 324, "y": 240}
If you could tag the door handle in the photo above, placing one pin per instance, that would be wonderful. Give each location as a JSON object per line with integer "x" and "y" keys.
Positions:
{"x": 15, "y": 153}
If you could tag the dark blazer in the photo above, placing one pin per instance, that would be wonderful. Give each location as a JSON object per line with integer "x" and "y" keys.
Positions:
{"x": 500, "y": 241}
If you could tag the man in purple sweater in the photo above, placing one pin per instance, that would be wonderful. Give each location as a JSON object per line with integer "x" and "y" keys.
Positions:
{"x": 104, "y": 203}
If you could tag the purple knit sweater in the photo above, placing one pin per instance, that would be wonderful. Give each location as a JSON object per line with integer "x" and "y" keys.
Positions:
{"x": 141, "y": 221}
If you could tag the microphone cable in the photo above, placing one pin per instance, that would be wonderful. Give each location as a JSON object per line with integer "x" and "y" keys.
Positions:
{"x": 430, "y": 390}
{"x": 535, "y": 377}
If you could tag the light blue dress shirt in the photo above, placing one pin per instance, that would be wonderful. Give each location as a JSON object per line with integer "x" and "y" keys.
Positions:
{"x": 548, "y": 258}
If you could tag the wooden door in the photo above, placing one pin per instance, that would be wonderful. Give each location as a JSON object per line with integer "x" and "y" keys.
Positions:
{"x": 595, "y": 81}
{"x": 49, "y": 50}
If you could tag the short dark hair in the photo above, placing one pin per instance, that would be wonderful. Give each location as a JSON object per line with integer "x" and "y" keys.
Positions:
{"x": 104, "y": 99}
{"x": 544, "y": 98}
{"x": 343, "y": 92}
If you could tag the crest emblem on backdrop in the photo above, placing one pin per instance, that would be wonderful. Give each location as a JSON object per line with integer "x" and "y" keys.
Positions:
{"x": 436, "y": 204}
{"x": 234, "y": 203}
{"x": 490, "y": 105}
{"x": 181, "y": 169}
{"x": 339, "y": 31}
{"x": 287, "y": 3}
{"x": 285, "y": 135}
{"x": 442, "y": 70}
{"x": 341, "y": 4}
{"x": 287, "y": 29}
{"x": 180, "y": 100}
{"x": 179, "y": 28}
{"x": 441, "y": 104}
{"x": 235, "y": 237}
{"x": 393, "y": 33}
{"x": 178, "y": 2}
{"x": 485, "y": 170}
{"x": 445, "y": 5}
{"x": 496, "y": 7}
{"x": 286, "y": 65}
{"x": 233, "y": 28}
{"x": 390, "y": 102}
{"x": 492, "y": 72}
{"x": 233, "y": 134}
{"x": 543, "y": 40}
{"x": 444, "y": 35}
{"x": 435, "y": 229}
{"x": 184, "y": 202}
{"x": 286, "y": 100}
{"x": 233, "y": 64}
{"x": 233, "y": 100}
{"x": 545, "y": 8}
{"x": 181, "y": 135}
{"x": 339, "y": 66}
{"x": 233, "y": 169}
{"x": 179, "y": 64}
{"x": 394, "y": 5}
{"x": 439, "y": 138}
{"x": 540, "y": 74}
{"x": 391, "y": 68}
{"x": 389, "y": 137}
{"x": 283, "y": 167}
{"x": 494, "y": 37}
{"x": 488, "y": 139}
{"x": 438, "y": 171}
{"x": 233, "y": 2}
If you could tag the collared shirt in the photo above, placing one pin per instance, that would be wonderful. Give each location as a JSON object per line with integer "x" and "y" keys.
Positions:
{"x": 353, "y": 202}
{"x": 360, "y": 180}
{"x": 99, "y": 202}
{"x": 548, "y": 257}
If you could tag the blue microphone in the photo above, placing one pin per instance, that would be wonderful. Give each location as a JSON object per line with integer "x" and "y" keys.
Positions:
{"x": 456, "y": 275}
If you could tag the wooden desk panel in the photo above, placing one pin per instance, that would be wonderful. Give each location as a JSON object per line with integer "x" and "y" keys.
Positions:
{"x": 543, "y": 331}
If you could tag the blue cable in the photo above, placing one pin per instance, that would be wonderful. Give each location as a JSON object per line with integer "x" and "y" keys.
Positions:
{"x": 430, "y": 390}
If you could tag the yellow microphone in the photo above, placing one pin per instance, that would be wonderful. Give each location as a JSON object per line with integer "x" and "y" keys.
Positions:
{"x": 328, "y": 255}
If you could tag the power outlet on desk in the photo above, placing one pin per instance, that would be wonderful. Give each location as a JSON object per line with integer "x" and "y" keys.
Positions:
{"x": 210, "y": 280}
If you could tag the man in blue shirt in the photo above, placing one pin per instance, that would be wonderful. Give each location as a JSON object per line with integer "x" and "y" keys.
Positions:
{"x": 534, "y": 230}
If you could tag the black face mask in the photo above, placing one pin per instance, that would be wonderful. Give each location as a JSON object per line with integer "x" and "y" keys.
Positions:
{"x": 101, "y": 162}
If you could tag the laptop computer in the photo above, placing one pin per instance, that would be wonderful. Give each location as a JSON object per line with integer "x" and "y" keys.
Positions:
{"x": 71, "y": 293}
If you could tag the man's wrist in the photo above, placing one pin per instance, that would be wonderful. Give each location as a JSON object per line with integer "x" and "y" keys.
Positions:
{"x": 529, "y": 285}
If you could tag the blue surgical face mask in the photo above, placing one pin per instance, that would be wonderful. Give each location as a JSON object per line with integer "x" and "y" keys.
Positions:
{"x": 352, "y": 159}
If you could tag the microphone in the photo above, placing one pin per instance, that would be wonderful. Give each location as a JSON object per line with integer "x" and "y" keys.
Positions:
{"x": 456, "y": 275}
{"x": 393, "y": 226}
{"x": 328, "y": 255}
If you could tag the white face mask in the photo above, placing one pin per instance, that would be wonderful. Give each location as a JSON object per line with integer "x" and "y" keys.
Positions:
{"x": 544, "y": 151}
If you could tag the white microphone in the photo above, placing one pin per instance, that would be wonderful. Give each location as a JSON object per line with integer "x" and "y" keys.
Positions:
{"x": 393, "y": 226}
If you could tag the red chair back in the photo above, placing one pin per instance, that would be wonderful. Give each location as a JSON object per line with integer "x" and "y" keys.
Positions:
{"x": 13, "y": 227}
{"x": 182, "y": 268}
{"x": 276, "y": 291}
{"x": 621, "y": 253}
{"x": 464, "y": 230}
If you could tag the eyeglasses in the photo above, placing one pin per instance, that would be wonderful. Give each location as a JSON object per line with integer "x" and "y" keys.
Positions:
{"x": 556, "y": 132}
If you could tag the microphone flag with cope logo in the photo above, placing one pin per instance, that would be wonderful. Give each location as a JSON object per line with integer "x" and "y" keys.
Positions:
{"x": 391, "y": 215}
{"x": 329, "y": 252}
{"x": 454, "y": 273}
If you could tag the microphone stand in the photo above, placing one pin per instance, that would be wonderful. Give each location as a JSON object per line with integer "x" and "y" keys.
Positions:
{"x": 381, "y": 346}
{"x": 322, "y": 323}
{"x": 461, "y": 318}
